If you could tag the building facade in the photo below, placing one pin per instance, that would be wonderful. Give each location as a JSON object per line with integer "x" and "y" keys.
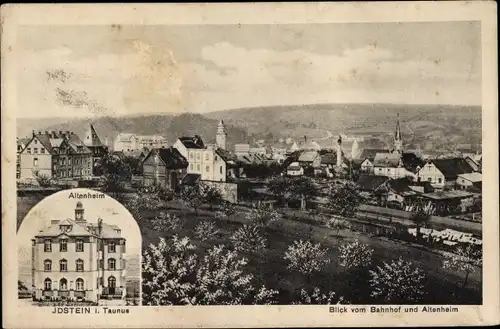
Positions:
{"x": 55, "y": 155}
{"x": 164, "y": 167}
{"x": 133, "y": 142}
{"x": 74, "y": 259}
{"x": 96, "y": 147}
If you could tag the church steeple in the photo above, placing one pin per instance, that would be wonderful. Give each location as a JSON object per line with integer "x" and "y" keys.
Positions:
{"x": 398, "y": 140}
{"x": 220, "y": 137}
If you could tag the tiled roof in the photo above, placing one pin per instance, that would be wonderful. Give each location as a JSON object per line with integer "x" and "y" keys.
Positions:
{"x": 371, "y": 182}
{"x": 308, "y": 156}
{"x": 386, "y": 160}
{"x": 79, "y": 229}
{"x": 401, "y": 186}
{"x": 171, "y": 157}
{"x": 190, "y": 179}
{"x": 370, "y": 153}
{"x": 228, "y": 157}
{"x": 453, "y": 167}
{"x": 124, "y": 137}
{"x": 194, "y": 142}
{"x": 411, "y": 161}
{"x": 472, "y": 177}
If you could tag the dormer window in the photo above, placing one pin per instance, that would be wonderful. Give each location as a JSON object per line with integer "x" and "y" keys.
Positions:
{"x": 65, "y": 228}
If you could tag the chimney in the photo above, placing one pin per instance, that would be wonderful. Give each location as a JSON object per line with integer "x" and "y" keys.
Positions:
{"x": 305, "y": 138}
{"x": 33, "y": 132}
{"x": 99, "y": 226}
{"x": 339, "y": 151}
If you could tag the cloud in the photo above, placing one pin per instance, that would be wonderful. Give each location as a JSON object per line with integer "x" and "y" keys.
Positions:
{"x": 152, "y": 78}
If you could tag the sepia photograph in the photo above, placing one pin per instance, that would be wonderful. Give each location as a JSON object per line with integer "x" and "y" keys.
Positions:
{"x": 336, "y": 164}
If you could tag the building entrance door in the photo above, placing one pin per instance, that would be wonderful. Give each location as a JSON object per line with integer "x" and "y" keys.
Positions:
{"x": 111, "y": 285}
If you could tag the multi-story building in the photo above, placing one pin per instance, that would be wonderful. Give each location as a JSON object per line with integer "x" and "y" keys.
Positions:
{"x": 78, "y": 259}
{"x": 133, "y": 142}
{"x": 443, "y": 173}
{"x": 56, "y": 155}
{"x": 21, "y": 144}
{"x": 164, "y": 167}
{"x": 96, "y": 147}
{"x": 192, "y": 149}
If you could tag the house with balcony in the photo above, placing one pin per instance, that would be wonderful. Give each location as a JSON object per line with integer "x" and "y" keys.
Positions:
{"x": 76, "y": 259}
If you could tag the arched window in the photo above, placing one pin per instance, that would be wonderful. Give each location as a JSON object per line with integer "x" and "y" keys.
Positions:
{"x": 63, "y": 265}
{"x": 63, "y": 284}
{"x": 79, "y": 284}
{"x": 47, "y": 265}
{"x": 47, "y": 284}
{"x": 79, "y": 265}
{"x": 111, "y": 264}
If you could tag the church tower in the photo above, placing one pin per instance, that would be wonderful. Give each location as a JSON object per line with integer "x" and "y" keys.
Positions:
{"x": 339, "y": 152}
{"x": 398, "y": 140}
{"x": 220, "y": 137}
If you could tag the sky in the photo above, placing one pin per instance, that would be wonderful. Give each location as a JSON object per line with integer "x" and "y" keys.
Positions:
{"x": 115, "y": 70}
{"x": 59, "y": 206}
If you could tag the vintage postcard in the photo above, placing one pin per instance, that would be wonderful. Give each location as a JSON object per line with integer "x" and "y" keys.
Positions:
{"x": 250, "y": 165}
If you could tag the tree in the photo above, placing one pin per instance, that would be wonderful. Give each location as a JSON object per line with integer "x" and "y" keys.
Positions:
{"x": 191, "y": 196}
{"x": 249, "y": 238}
{"x": 206, "y": 230}
{"x": 210, "y": 195}
{"x": 337, "y": 224}
{"x": 306, "y": 257}
{"x": 115, "y": 173}
{"x": 355, "y": 255}
{"x": 316, "y": 297}
{"x": 43, "y": 180}
{"x": 166, "y": 222}
{"x": 467, "y": 259}
{"x": 304, "y": 189}
{"x": 138, "y": 203}
{"x": 173, "y": 274}
{"x": 167, "y": 269}
{"x": 344, "y": 200}
{"x": 279, "y": 187}
{"x": 398, "y": 282}
{"x": 262, "y": 216}
{"x": 420, "y": 218}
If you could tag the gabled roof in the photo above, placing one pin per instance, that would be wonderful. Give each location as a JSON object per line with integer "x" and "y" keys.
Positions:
{"x": 452, "y": 167}
{"x": 51, "y": 141}
{"x": 79, "y": 229}
{"x": 401, "y": 186}
{"x": 473, "y": 177}
{"x": 371, "y": 182}
{"x": 308, "y": 156}
{"x": 411, "y": 161}
{"x": 387, "y": 160}
{"x": 22, "y": 142}
{"x": 190, "y": 179}
{"x": 194, "y": 142}
{"x": 124, "y": 137}
{"x": 228, "y": 157}
{"x": 92, "y": 139}
{"x": 370, "y": 153}
{"x": 294, "y": 166}
{"x": 171, "y": 157}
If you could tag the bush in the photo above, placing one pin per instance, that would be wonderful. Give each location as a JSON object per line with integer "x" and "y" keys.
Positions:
{"x": 249, "y": 238}
{"x": 206, "y": 230}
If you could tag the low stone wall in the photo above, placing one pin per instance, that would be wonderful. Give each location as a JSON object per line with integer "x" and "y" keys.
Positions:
{"x": 229, "y": 191}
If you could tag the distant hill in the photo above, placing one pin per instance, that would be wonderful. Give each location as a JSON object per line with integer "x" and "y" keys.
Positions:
{"x": 169, "y": 126}
{"x": 460, "y": 123}
{"x": 425, "y": 126}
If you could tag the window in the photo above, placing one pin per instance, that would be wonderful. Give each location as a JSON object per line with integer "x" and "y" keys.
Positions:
{"x": 191, "y": 155}
{"x": 63, "y": 245}
{"x": 47, "y": 265}
{"x": 69, "y": 161}
{"x": 111, "y": 264}
{"x": 79, "y": 245}
{"x": 18, "y": 175}
{"x": 207, "y": 156}
{"x": 79, "y": 265}
{"x": 429, "y": 179}
{"x": 47, "y": 246}
{"x": 79, "y": 284}
{"x": 216, "y": 158}
{"x": 63, "y": 265}
{"x": 197, "y": 156}
{"x": 440, "y": 180}
{"x": 197, "y": 167}
{"x": 47, "y": 284}
{"x": 42, "y": 150}
{"x": 35, "y": 150}
{"x": 101, "y": 264}
{"x": 63, "y": 284}
{"x": 388, "y": 170}
{"x": 190, "y": 166}
{"x": 220, "y": 169}
{"x": 379, "y": 169}
{"x": 112, "y": 247}
{"x": 207, "y": 168}
{"x": 35, "y": 141}
{"x": 28, "y": 150}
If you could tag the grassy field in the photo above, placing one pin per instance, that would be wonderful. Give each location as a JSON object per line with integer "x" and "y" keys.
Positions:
{"x": 269, "y": 268}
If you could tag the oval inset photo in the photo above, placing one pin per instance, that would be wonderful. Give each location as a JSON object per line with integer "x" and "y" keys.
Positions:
{"x": 79, "y": 247}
